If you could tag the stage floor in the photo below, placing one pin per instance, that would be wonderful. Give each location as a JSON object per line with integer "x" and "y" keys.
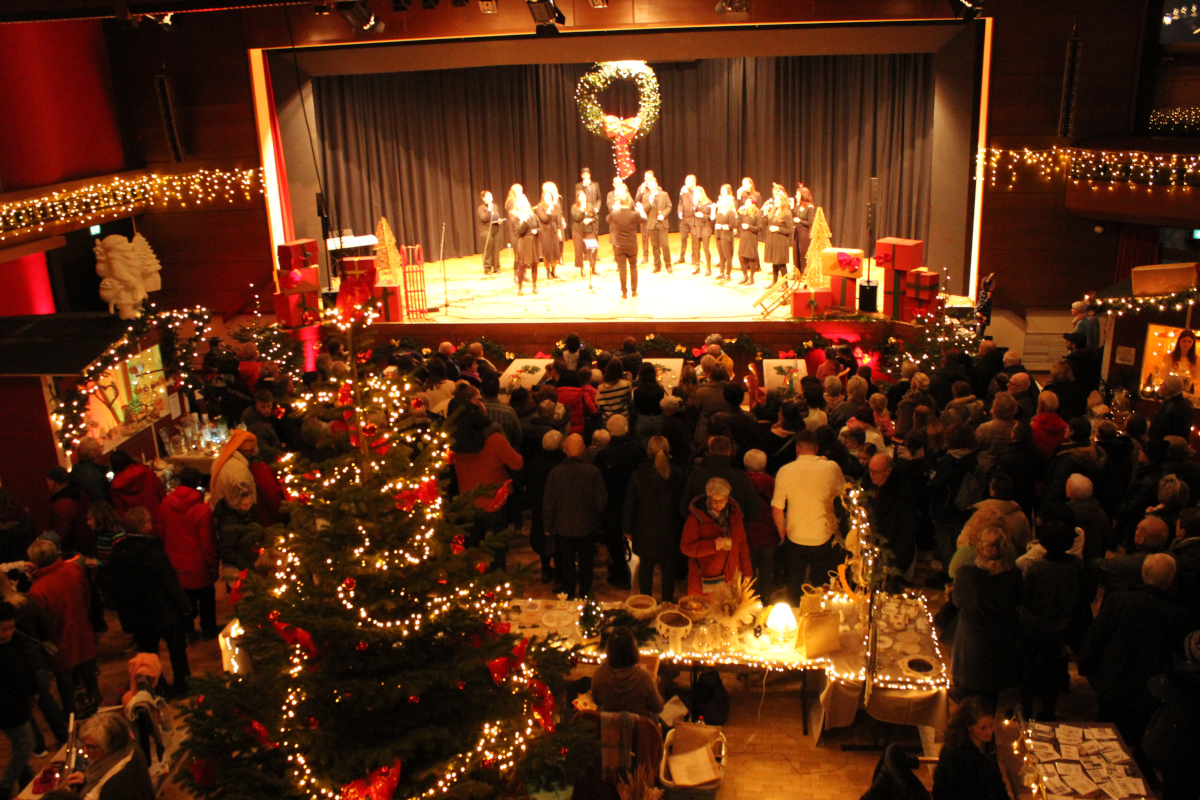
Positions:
{"x": 663, "y": 297}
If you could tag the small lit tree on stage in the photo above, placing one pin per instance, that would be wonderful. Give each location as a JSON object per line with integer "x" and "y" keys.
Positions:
{"x": 820, "y": 239}
{"x": 379, "y": 663}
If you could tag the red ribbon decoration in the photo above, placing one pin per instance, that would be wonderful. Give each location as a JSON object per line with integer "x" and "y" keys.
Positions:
{"x": 540, "y": 354}
{"x": 501, "y": 496}
{"x": 787, "y": 353}
{"x": 379, "y": 785}
{"x": 883, "y": 258}
{"x": 292, "y": 279}
{"x": 426, "y": 493}
{"x": 235, "y": 591}
{"x": 622, "y": 131}
{"x": 849, "y": 262}
{"x": 259, "y": 731}
{"x": 293, "y": 635}
{"x": 543, "y": 704}
{"x": 499, "y": 667}
{"x": 698, "y": 351}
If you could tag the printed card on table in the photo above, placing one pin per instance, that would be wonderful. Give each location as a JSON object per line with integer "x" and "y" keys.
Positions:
{"x": 1056, "y": 786}
{"x": 1100, "y": 733}
{"x": 1081, "y": 786}
{"x": 1066, "y": 768}
{"x": 1069, "y": 751}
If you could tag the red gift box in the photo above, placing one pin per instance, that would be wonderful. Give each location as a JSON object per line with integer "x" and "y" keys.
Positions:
{"x": 893, "y": 293}
{"x": 389, "y": 302}
{"x": 810, "y": 302}
{"x": 305, "y": 249}
{"x": 299, "y": 281}
{"x": 899, "y": 254}
{"x": 921, "y": 284}
{"x": 294, "y": 310}
{"x": 845, "y": 291}
{"x": 289, "y": 263}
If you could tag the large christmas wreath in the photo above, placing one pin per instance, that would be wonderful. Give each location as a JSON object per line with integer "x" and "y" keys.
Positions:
{"x": 607, "y": 126}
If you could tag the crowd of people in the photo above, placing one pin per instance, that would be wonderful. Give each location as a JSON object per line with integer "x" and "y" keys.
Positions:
{"x": 1025, "y": 504}
{"x": 737, "y": 220}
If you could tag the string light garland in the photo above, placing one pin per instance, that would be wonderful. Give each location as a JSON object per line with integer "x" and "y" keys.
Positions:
{"x": 1175, "y": 120}
{"x": 118, "y": 197}
{"x": 623, "y": 132}
{"x": 70, "y": 415}
{"x": 1101, "y": 166}
{"x": 1135, "y": 305}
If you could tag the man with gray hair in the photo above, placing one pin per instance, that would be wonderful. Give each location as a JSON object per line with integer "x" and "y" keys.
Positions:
{"x": 1133, "y": 638}
{"x": 574, "y": 499}
{"x": 715, "y": 342}
{"x": 1125, "y": 571}
{"x": 1097, "y": 529}
{"x": 1175, "y": 415}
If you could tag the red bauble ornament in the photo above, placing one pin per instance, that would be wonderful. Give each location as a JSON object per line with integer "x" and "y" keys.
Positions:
{"x": 462, "y": 684}
{"x": 458, "y": 544}
{"x": 362, "y": 646}
{"x": 379, "y": 785}
{"x": 350, "y": 583}
{"x": 369, "y": 429}
{"x": 273, "y": 616}
{"x": 414, "y": 699}
{"x": 204, "y": 772}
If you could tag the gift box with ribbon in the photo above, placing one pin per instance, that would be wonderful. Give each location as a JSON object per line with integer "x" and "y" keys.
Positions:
{"x": 389, "y": 300}
{"x": 810, "y": 302}
{"x": 845, "y": 292}
{"x": 304, "y": 249}
{"x": 893, "y": 293}
{"x": 899, "y": 254}
{"x": 921, "y": 284}
{"x": 842, "y": 261}
{"x": 294, "y": 310}
{"x": 299, "y": 281}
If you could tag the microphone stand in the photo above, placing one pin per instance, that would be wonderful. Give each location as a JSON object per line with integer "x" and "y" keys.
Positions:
{"x": 442, "y": 255}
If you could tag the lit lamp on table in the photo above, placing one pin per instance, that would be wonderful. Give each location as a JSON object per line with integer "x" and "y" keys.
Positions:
{"x": 781, "y": 626}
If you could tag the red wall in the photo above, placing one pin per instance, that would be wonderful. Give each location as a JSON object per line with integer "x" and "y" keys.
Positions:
{"x": 60, "y": 121}
{"x": 28, "y": 445}
{"x": 26, "y": 287}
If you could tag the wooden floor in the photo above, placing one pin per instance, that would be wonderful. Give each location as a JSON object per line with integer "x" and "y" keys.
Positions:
{"x": 474, "y": 297}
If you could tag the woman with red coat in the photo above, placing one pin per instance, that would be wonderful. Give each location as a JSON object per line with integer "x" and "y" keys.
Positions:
{"x": 1049, "y": 429}
{"x": 186, "y": 528}
{"x": 576, "y": 399}
{"x": 714, "y": 539}
{"x": 134, "y": 485}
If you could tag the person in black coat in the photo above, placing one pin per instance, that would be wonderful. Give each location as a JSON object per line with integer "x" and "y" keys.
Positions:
{"x": 1025, "y": 464}
{"x": 895, "y": 517}
{"x": 778, "y": 221}
{"x": 538, "y": 464}
{"x": 1132, "y": 639}
{"x": 150, "y": 602}
{"x": 1175, "y": 415}
{"x": 488, "y": 218}
{"x": 656, "y": 209}
{"x": 676, "y": 431}
{"x": 1072, "y": 398}
{"x": 894, "y": 778}
{"x": 640, "y": 197}
{"x": 617, "y": 462}
{"x": 88, "y": 475}
{"x": 1172, "y": 738}
{"x": 588, "y": 187}
{"x": 986, "y": 593}
{"x": 967, "y": 766}
{"x": 724, "y": 224}
{"x": 749, "y": 223}
{"x": 1084, "y": 361}
{"x": 945, "y": 481}
{"x": 686, "y": 210}
{"x": 17, "y": 689}
{"x": 803, "y": 215}
{"x": 743, "y": 427}
{"x": 719, "y": 464}
{"x": 585, "y": 226}
{"x": 941, "y": 382}
{"x": 1077, "y": 455}
{"x": 650, "y": 519}
{"x": 523, "y": 227}
{"x": 623, "y": 223}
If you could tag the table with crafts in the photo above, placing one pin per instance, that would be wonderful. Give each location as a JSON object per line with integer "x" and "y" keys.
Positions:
{"x": 1067, "y": 760}
{"x": 525, "y": 372}
{"x": 778, "y": 372}
{"x": 668, "y": 370}
{"x": 909, "y": 685}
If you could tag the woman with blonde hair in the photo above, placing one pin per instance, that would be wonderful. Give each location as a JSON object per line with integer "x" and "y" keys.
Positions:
{"x": 524, "y": 226}
{"x": 650, "y": 520}
{"x": 1049, "y": 429}
{"x": 986, "y": 642}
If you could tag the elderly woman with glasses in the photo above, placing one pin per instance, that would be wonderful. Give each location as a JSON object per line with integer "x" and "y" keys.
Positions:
{"x": 714, "y": 539}
{"x": 115, "y": 768}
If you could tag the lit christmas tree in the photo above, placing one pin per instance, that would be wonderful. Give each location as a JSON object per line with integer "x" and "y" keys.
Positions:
{"x": 379, "y": 662}
{"x": 818, "y": 241}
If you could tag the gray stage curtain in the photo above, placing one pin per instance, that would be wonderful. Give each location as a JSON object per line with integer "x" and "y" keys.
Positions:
{"x": 417, "y": 147}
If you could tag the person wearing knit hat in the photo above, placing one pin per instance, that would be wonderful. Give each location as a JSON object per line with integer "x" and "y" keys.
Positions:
{"x": 714, "y": 539}
{"x": 231, "y": 479}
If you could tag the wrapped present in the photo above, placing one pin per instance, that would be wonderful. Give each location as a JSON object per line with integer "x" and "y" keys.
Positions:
{"x": 304, "y": 249}
{"x": 391, "y": 309}
{"x": 842, "y": 261}
{"x": 1157, "y": 279}
{"x": 358, "y": 279}
{"x": 921, "y": 284}
{"x": 899, "y": 254}
{"x": 294, "y": 310}
{"x": 299, "y": 281}
{"x": 845, "y": 292}
{"x": 893, "y": 293}
{"x": 810, "y": 302}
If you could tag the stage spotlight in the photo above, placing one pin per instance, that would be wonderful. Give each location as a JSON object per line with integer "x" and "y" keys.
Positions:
{"x": 545, "y": 13}
{"x": 358, "y": 16}
{"x": 487, "y": 6}
{"x": 429, "y": 5}
{"x": 733, "y": 6}
{"x": 599, "y": 3}
{"x": 460, "y": 3}
{"x": 321, "y": 9}
{"x": 967, "y": 10}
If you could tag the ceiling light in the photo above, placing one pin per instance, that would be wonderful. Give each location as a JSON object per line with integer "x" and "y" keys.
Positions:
{"x": 599, "y": 3}
{"x": 358, "y": 16}
{"x": 487, "y": 6}
{"x": 733, "y": 6}
{"x": 544, "y": 12}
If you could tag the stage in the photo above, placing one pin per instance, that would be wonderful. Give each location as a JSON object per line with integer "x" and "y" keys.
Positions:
{"x": 663, "y": 297}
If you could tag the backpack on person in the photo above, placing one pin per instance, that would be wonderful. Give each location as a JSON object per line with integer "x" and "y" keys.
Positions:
{"x": 973, "y": 488}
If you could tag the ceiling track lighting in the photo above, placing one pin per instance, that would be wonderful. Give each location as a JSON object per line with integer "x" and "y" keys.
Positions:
{"x": 967, "y": 10}
{"x": 358, "y": 16}
{"x": 598, "y": 3}
{"x": 487, "y": 6}
{"x": 733, "y": 6}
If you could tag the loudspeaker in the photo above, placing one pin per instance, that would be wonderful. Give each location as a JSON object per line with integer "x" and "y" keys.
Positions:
{"x": 166, "y": 109}
{"x": 1070, "y": 90}
{"x": 868, "y": 292}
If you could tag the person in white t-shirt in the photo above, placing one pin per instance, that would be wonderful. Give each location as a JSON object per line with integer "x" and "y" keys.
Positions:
{"x": 803, "y": 510}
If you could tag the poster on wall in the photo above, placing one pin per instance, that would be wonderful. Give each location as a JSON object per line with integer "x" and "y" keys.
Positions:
{"x": 128, "y": 398}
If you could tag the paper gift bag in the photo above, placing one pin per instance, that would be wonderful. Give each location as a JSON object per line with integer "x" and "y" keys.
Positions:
{"x": 844, "y": 261}
{"x": 390, "y": 307}
{"x": 810, "y": 600}
{"x": 921, "y": 284}
{"x": 810, "y": 302}
{"x": 893, "y": 294}
{"x": 294, "y": 310}
{"x": 305, "y": 249}
{"x": 899, "y": 254}
{"x": 818, "y": 634}
{"x": 299, "y": 281}
{"x": 845, "y": 292}
{"x": 1157, "y": 279}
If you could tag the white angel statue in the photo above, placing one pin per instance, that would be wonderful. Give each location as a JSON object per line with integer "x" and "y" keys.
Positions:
{"x": 128, "y": 271}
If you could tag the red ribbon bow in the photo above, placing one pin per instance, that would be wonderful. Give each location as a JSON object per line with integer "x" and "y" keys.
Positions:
{"x": 849, "y": 262}
{"x": 292, "y": 279}
{"x": 426, "y": 493}
{"x": 293, "y": 635}
{"x": 698, "y": 351}
{"x": 379, "y": 785}
{"x": 883, "y": 258}
{"x": 622, "y": 131}
{"x": 501, "y": 496}
{"x": 540, "y": 354}
{"x": 787, "y": 353}
{"x": 543, "y": 704}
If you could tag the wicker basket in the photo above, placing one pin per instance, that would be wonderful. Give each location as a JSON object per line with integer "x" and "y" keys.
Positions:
{"x": 704, "y": 791}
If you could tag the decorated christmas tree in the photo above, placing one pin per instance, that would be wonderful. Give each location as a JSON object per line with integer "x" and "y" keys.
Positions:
{"x": 374, "y": 659}
{"x": 820, "y": 239}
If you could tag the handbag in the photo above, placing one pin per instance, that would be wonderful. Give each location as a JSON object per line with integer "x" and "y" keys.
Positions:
{"x": 48, "y": 647}
{"x": 818, "y": 634}
{"x": 810, "y": 601}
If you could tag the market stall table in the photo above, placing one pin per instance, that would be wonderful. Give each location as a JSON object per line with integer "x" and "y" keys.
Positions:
{"x": 778, "y": 371}
{"x": 1068, "y": 759}
{"x": 524, "y": 372}
{"x": 668, "y": 371}
{"x": 198, "y": 459}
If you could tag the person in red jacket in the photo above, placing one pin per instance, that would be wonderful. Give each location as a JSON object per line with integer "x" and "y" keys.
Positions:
{"x": 761, "y": 535}
{"x": 1049, "y": 430}
{"x": 714, "y": 539}
{"x": 134, "y": 485}
{"x": 580, "y": 400}
{"x": 268, "y": 493}
{"x": 61, "y": 589}
{"x": 186, "y": 528}
{"x": 68, "y": 512}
